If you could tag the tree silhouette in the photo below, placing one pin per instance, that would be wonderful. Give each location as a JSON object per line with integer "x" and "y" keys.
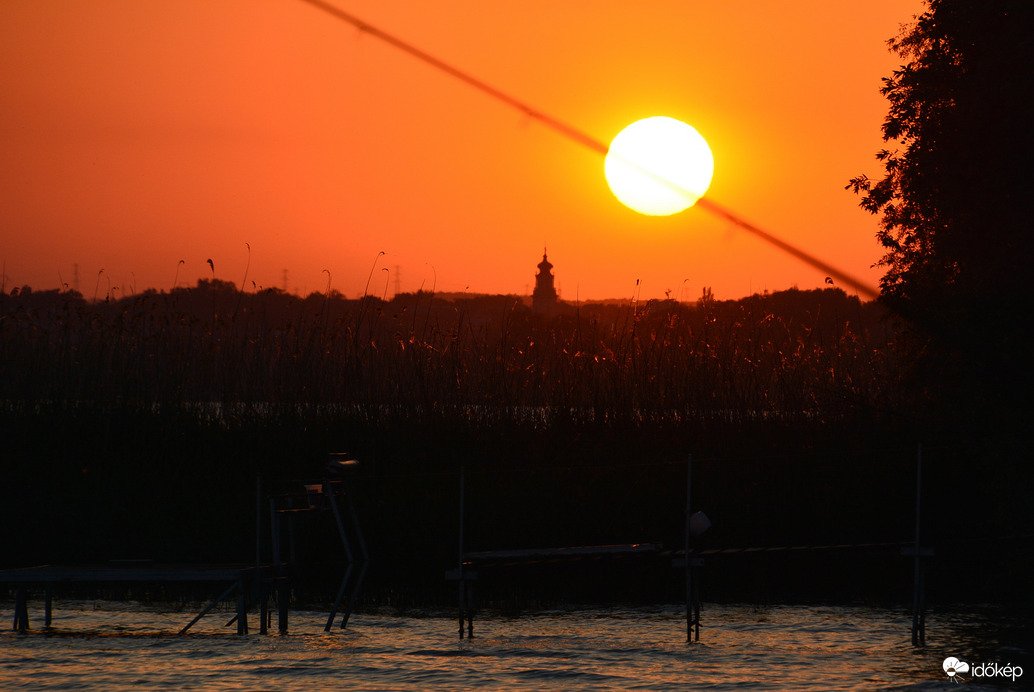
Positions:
{"x": 955, "y": 216}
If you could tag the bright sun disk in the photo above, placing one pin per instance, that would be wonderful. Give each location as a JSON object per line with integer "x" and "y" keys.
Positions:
{"x": 659, "y": 166}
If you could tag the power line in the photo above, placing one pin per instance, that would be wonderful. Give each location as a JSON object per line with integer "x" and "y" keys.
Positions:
{"x": 579, "y": 137}
{"x": 563, "y": 128}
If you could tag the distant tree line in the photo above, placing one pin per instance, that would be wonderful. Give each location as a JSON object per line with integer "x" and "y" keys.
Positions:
{"x": 791, "y": 353}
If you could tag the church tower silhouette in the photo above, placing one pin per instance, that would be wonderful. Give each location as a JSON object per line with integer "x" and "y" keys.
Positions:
{"x": 544, "y": 298}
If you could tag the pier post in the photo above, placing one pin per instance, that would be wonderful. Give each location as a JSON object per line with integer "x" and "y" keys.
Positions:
{"x": 364, "y": 554}
{"x": 242, "y": 608}
{"x": 21, "y": 611}
{"x": 329, "y": 494}
{"x": 258, "y": 523}
{"x": 48, "y": 605}
{"x": 464, "y": 592}
{"x": 274, "y": 531}
{"x": 694, "y": 599}
{"x": 283, "y": 595}
{"x": 918, "y": 581}
{"x": 470, "y": 608}
{"x": 460, "y": 582}
{"x": 692, "y": 591}
{"x": 263, "y": 596}
{"x": 215, "y": 601}
{"x": 465, "y": 581}
{"x": 292, "y": 553}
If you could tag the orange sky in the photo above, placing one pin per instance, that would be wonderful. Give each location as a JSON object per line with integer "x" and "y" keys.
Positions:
{"x": 138, "y": 134}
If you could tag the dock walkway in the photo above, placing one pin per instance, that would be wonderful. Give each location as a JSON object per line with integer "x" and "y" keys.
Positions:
{"x": 244, "y": 580}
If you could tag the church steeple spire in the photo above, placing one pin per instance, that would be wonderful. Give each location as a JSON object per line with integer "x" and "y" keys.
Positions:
{"x": 544, "y": 298}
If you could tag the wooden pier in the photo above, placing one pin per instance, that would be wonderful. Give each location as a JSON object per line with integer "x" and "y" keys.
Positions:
{"x": 465, "y": 572}
{"x": 690, "y": 558}
{"x": 253, "y": 584}
{"x": 258, "y": 584}
{"x": 248, "y": 582}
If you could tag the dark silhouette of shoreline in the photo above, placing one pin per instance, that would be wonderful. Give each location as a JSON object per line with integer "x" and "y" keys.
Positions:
{"x": 138, "y": 428}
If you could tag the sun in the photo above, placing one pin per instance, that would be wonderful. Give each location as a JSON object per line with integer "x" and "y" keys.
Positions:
{"x": 659, "y": 166}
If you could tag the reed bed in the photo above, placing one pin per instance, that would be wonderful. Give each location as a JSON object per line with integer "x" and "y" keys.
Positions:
{"x": 790, "y": 354}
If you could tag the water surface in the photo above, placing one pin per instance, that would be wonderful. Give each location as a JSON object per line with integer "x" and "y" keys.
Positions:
{"x": 126, "y": 646}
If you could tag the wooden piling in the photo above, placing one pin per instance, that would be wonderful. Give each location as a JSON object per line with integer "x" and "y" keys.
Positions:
{"x": 470, "y": 608}
{"x": 283, "y": 595}
{"x": 21, "y": 611}
{"x": 918, "y": 582}
{"x": 48, "y": 605}
{"x": 461, "y": 581}
{"x": 692, "y": 590}
{"x": 364, "y": 554}
{"x": 248, "y": 582}
{"x": 328, "y": 493}
{"x": 274, "y": 530}
{"x": 214, "y": 602}
{"x": 258, "y": 523}
{"x": 263, "y": 598}
{"x": 291, "y": 551}
{"x": 242, "y": 608}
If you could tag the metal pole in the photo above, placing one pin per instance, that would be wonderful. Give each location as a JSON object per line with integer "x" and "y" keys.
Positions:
{"x": 242, "y": 607}
{"x": 328, "y": 492}
{"x": 274, "y": 531}
{"x": 48, "y": 605}
{"x": 21, "y": 611}
{"x": 364, "y": 555}
{"x": 283, "y": 596}
{"x": 263, "y": 610}
{"x": 918, "y": 619}
{"x": 462, "y": 496}
{"x": 209, "y": 607}
{"x": 293, "y": 556}
{"x": 470, "y": 608}
{"x": 689, "y": 569}
{"x": 258, "y": 522}
{"x": 459, "y": 561}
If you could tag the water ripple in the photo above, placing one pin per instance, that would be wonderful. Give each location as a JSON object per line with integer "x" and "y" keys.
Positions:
{"x": 118, "y": 648}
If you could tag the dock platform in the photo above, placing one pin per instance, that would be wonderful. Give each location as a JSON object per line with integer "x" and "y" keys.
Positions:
{"x": 246, "y": 580}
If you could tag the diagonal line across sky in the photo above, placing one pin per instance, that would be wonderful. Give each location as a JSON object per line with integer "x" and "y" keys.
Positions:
{"x": 579, "y": 137}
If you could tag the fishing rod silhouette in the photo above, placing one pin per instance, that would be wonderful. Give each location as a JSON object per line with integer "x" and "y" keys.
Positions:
{"x": 579, "y": 137}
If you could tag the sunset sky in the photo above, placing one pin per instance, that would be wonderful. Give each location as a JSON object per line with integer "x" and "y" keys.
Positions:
{"x": 138, "y": 134}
